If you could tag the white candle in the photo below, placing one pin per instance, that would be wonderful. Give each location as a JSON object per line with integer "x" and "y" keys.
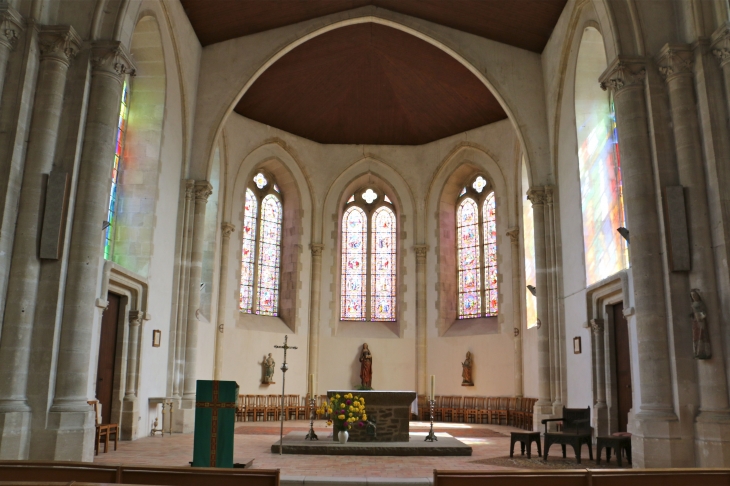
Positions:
{"x": 433, "y": 386}
{"x": 311, "y": 386}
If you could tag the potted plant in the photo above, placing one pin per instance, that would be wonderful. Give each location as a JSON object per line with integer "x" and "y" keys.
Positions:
{"x": 346, "y": 411}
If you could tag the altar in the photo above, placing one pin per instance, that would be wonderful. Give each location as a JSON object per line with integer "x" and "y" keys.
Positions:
{"x": 390, "y": 411}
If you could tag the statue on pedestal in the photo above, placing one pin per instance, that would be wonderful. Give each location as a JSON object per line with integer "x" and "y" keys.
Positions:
{"x": 269, "y": 366}
{"x": 466, "y": 371}
{"x": 700, "y": 335}
{"x": 366, "y": 367}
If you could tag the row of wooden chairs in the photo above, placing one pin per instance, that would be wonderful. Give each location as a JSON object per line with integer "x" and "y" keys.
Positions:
{"x": 513, "y": 411}
{"x": 266, "y": 408}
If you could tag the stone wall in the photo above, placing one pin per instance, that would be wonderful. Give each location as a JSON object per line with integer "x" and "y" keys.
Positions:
{"x": 388, "y": 410}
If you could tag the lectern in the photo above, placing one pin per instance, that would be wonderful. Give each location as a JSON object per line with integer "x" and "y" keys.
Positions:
{"x": 215, "y": 416}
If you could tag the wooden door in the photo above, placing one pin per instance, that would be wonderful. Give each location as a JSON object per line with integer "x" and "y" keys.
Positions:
{"x": 107, "y": 354}
{"x": 623, "y": 365}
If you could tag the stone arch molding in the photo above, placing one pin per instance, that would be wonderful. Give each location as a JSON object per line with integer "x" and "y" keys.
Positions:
{"x": 513, "y": 75}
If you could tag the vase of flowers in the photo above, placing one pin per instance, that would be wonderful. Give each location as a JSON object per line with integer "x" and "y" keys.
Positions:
{"x": 345, "y": 412}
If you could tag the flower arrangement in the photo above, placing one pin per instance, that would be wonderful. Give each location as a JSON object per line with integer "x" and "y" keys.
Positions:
{"x": 346, "y": 411}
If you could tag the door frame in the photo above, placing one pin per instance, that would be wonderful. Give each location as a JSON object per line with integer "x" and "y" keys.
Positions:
{"x": 600, "y": 297}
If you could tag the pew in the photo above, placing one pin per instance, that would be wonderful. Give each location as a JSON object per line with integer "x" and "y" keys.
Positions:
{"x": 32, "y": 471}
{"x": 660, "y": 477}
{"x": 563, "y": 477}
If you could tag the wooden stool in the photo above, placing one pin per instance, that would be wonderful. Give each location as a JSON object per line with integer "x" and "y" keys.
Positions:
{"x": 617, "y": 443}
{"x": 524, "y": 438}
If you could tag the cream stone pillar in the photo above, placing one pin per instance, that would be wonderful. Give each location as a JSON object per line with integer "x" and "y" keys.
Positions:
{"x": 70, "y": 419}
{"x": 421, "y": 322}
{"x": 600, "y": 409}
{"x": 130, "y": 403}
{"x": 712, "y": 429}
{"x": 514, "y": 238}
{"x": 203, "y": 189}
{"x": 58, "y": 45}
{"x": 656, "y": 424}
{"x": 314, "y": 303}
{"x": 721, "y": 50}
{"x": 551, "y": 248}
{"x": 11, "y": 23}
{"x": 543, "y": 406}
{"x": 226, "y": 230}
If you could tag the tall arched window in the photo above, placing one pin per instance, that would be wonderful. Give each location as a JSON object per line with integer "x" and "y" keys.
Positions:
{"x": 476, "y": 239}
{"x": 118, "y": 151}
{"x": 369, "y": 252}
{"x": 261, "y": 247}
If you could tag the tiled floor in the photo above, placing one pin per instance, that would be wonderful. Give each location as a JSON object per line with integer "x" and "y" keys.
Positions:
{"x": 254, "y": 440}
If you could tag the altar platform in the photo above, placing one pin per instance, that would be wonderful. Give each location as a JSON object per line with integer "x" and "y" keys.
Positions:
{"x": 446, "y": 445}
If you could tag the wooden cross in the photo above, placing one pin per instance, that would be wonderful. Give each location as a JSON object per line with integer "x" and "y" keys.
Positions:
{"x": 284, "y": 367}
{"x": 215, "y": 405}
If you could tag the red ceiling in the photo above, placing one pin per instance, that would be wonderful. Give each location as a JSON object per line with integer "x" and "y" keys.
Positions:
{"x": 370, "y": 84}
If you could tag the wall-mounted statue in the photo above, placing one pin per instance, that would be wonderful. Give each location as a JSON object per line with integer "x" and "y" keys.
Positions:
{"x": 366, "y": 367}
{"x": 269, "y": 365}
{"x": 700, "y": 335}
{"x": 466, "y": 379}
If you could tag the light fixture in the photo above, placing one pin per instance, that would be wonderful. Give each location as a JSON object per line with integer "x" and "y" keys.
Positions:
{"x": 105, "y": 225}
{"x": 625, "y": 233}
{"x": 532, "y": 290}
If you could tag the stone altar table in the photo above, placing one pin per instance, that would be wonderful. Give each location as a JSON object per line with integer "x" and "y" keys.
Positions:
{"x": 390, "y": 411}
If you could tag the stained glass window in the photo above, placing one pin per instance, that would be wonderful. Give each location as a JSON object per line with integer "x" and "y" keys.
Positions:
{"x": 354, "y": 267}
{"x": 118, "y": 148}
{"x": 467, "y": 230}
{"x": 260, "y": 180}
{"x": 369, "y": 196}
{"x": 383, "y": 261}
{"x": 269, "y": 256}
{"x": 528, "y": 238}
{"x": 248, "y": 252}
{"x": 479, "y": 184}
{"x": 261, "y": 250}
{"x": 490, "y": 256}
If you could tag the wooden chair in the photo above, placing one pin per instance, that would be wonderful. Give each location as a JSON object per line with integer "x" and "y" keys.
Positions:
{"x": 469, "y": 409}
{"x": 529, "y": 413}
{"x": 577, "y": 431}
{"x": 512, "y": 411}
{"x": 480, "y": 405}
{"x": 259, "y": 407}
{"x": 249, "y": 409}
{"x": 104, "y": 431}
{"x": 447, "y": 409}
{"x": 241, "y": 408}
{"x": 322, "y": 399}
{"x": 457, "y": 408}
{"x": 272, "y": 410}
{"x": 502, "y": 404}
{"x": 438, "y": 411}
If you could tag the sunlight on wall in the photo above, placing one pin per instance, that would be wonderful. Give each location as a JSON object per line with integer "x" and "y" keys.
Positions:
{"x": 599, "y": 165}
{"x": 529, "y": 243}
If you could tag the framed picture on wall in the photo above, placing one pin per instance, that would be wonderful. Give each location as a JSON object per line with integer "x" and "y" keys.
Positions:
{"x": 576, "y": 345}
{"x": 156, "y": 338}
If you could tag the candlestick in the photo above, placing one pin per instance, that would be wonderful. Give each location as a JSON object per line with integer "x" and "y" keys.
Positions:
{"x": 433, "y": 387}
{"x": 311, "y": 385}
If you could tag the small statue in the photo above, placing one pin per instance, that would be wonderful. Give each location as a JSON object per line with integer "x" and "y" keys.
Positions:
{"x": 700, "y": 336}
{"x": 269, "y": 365}
{"x": 366, "y": 367}
{"x": 466, "y": 371}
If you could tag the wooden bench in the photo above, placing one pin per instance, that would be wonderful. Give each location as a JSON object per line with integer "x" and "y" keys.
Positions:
{"x": 85, "y": 472}
{"x": 660, "y": 477}
{"x": 565, "y": 477}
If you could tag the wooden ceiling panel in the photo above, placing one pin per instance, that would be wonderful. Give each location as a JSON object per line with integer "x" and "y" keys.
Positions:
{"x": 370, "y": 84}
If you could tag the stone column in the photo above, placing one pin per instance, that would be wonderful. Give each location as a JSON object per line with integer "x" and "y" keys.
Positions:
{"x": 555, "y": 330}
{"x": 721, "y": 50}
{"x": 203, "y": 189}
{"x": 178, "y": 362}
{"x": 11, "y": 23}
{"x": 655, "y": 423}
{"x": 58, "y": 45}
{"x": 130, "y": 403}
{"x": 514, "y": 238}
{"x": 675, "y": 64}
{"x": 600, "y": 409}
{"x": 421, "y": 322}
{"x": 314, "y": 303}
{"x": 70, "y": 418}
{"x": 226, "y": 230}
{"x": 543, "y": 406}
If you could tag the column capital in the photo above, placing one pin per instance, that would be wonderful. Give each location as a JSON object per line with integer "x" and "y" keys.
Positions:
{"x": 11, "y": 24}
{"x": 316, "y": 249}
{"x": 421, "y": 252}
{"x": 59, "y": 42}
{"x": 514, "y": 235}
{"x": 189, "y": 189}
{"x": 227, "y": 229}
{"x": 537, "y": 195}
{"x": 721, "y": 44}
{"x": 675, "y": 60}
{"x": 623, "y": 74}
{"x": 111, "y": 58}
{"x": 135, "y": 317}
{"x": 597, "y": 325}
{"x": 203, "y": 189}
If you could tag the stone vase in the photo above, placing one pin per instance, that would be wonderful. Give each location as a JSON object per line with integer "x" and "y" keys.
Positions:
{"x": 343, "y": 435}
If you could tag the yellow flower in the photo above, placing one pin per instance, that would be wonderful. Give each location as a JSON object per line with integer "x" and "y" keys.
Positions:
{"x": 341, "y": 417}
{"x": 364, "y": 417}
{"x": 329, "y": 410}
{"x": 329, "y": 422}
{"x": 337, "y": 396}
{"x": 350, "y": 414}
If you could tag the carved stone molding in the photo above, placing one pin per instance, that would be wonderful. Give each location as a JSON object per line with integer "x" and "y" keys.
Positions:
{"x": 111, "y": 58}
{"x": 597, "y": 325}
{"x": 537, "y": 196}
{"x": 135, "y": 317}
{"x": 549, "y": 193}
{"x": 624, "y": 74}
{"x": 203, "y": 190}
{"x": 11, "y": 24}
{"x": 721, "y": 44}
{"x": 514, "y": 235}
{"x": 421, "y": 252}
{"x": 316, "y": 249}
{"x": 675, "y": 60}
{"x": 227, "y": 229}
{"x": 189, "y": 189}
{"x": 59, "y": 42}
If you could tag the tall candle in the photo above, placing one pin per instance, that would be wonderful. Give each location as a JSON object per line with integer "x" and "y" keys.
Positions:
{"x": 433, "y": 386}
{"x": 311, "y": 386}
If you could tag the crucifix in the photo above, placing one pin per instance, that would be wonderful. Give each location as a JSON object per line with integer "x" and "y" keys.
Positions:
{"x": 284, "y": 367}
